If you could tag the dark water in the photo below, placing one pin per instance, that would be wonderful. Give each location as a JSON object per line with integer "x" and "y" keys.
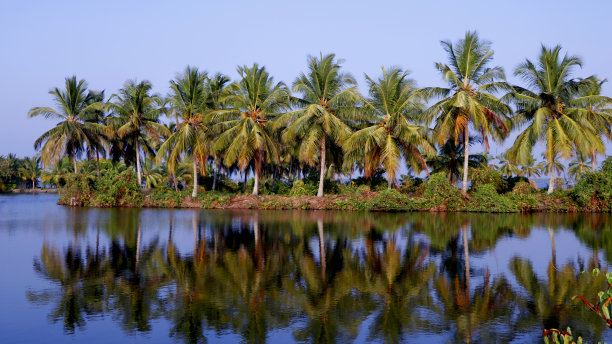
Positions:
{"x": 186, "y": 276}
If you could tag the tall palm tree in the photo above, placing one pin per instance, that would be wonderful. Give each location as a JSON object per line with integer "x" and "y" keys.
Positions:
{"x": 30, "y": 170}
{"x": 507, "y": 166}
{"x": 137, "y": 117}
{"x": 245, "y": 138}
{"x": 217, "y": 87}
{"x": 193, "y": 135}
{"x": 469, "y": 99}
{"x": 328, "y": 102}
{"x": 549, "y": 109}
{"x": 551, "y": 168}
{"x": 72, "y": 135}
{"x": 394, "y": 100}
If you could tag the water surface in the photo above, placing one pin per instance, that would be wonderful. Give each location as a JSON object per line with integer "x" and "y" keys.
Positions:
{"x": 188, "y": 276}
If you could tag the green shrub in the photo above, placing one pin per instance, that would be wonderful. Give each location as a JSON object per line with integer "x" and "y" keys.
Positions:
{"x": 439, "y": 191}
{"x": 211, "y": 199}
{"x": 486, "y": 199}
{"x": 524, "y": 202}
{"x": 524, "y": 188}
{"x": 165, "y": 196}
{"x": 116, "y": 189}
{"x": 487, "y": 175}
{"x": 594, "y": 190}
{"x": 299, "y": 189}
{"x": 389, "y": 200}
{"x": 78, "y": 191}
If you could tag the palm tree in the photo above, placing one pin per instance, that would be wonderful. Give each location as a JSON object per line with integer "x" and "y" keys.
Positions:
{"x": 549, "y": 109}
{"x": 245, "y": 138}
{"x": 151, "y": 173}
{"x": 72, "y": 135}
{"x": 30, "y": 170}
{"x": 552, "y": 167}
{"x": 529, "y": 168}
{"x": 217, "y": 88}
{"x": 193, "y": 135}
{"x": 507, "y": 166}
{"x": 578, "y": 167}
{"x": 137, "y": 117}
{"x": 57, "y": 176}
{"x": 450, "y": 159}
{"x": 468, "y": 98}
{"x": 599, "y": 112}
{"x": 393, "y": 99}
{"x": 328, "y": 101}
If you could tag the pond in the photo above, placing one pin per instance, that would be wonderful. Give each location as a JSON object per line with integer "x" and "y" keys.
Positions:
{"x": 189, "y": 276}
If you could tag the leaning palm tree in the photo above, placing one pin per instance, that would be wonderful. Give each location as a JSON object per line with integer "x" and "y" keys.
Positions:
{"x": 549, "y": 110}
{"x": 30, "y": 170}
{"x": 450, "y": 158}
{"x": 192, "y": 135}
{"x": 245, "y": 138}
{"x": 469, "y": 98}
{"x": 137, "y": 117}
{"x": 328, "y": 102}
{"x": 394, "y": 100}
{"x": 72, "y": 135}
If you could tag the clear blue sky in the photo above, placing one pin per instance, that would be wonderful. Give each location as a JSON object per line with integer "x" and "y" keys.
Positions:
{"x": 108, "y": 42}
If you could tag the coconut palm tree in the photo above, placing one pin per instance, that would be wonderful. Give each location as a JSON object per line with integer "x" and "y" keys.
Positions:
{"x": 245, "y": 137}
{"x": 529, "y": 168}
{"x": 57, "y": 176}
{"x": 553, "y": 167}
{"x": 507, "y": 166}
{"x": 72, "y": 135}
{"x": 549, "y": 109}
{"x": 394, "y": 99}
{"x": 598, "y": 110}
{"x": 193, "y": 135}
{"x": 151, "y": 173}
{"x": 328, "y": 101}
{"x": 137, "y": 117}
{"x": 217, "y": 88}
{"x": 578, "y": 167}
{"x": 30, "y": 170}
{"x": 450, "y": 160}
{"x": 469, "y": 97}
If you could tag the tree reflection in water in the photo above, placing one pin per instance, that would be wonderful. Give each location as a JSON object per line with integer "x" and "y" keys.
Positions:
{"x": 319, "y": 277}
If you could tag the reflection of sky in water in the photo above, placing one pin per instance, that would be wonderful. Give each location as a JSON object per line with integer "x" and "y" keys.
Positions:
{"x": 28, "y": 221}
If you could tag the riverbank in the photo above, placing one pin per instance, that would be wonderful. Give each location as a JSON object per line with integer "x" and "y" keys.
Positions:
{"x": 32, "y": 191}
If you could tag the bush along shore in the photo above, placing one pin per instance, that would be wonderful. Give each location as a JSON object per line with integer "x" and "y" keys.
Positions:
{"x": 489, "y": 192}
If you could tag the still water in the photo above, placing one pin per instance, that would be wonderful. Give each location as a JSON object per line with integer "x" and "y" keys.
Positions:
{"x": 71, "y": 275}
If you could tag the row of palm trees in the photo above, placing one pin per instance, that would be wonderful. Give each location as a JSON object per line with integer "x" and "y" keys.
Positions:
{"x": 261, "y": 125}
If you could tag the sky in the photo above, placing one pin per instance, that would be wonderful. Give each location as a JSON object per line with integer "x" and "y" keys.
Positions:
{"x": 109, "y": 42}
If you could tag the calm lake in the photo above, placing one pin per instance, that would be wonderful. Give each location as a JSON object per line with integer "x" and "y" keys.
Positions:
{"x": 188, "y": 276}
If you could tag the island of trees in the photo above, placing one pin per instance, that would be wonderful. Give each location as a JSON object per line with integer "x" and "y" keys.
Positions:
{"x": 320, "y": 144}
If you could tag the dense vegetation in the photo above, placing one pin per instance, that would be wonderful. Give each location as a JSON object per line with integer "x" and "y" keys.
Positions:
{"x": 307, "y": 139}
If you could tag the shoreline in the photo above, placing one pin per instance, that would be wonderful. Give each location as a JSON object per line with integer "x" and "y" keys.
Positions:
{"x": 328, "y": 202}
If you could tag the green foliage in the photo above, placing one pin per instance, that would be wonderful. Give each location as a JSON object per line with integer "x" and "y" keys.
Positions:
{"x": 165, "y": 196}
{"x": 212, "y": 199}
{"x": 79, "y": 191}
{"x": 389, "y": 200}
{"x": 275, "y": 205}
{"x": 555, "y": 336}
{"x": 525, "y": 202}
{"x": 410, "y": 185}
{"x": 118, "y": 189}
{"x": 594, "y": 190}
{"x": 486, "y": 199}
{"x": 299, "y": 188}
{"x": 440, "y": 192}
{"x": 487, "y": 175}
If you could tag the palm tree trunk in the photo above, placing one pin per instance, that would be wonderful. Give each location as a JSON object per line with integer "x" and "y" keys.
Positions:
{"x": 138, "y": 239}
{"x": 389, "y": 181}
{"x": 593, "y": 161}
{"x": 551, "y": 181}
{"x": 76, "y": 171}
{"x": 214, "y": 186}
{"x": 98, "y": 163}
{"x": 33, "y": 183}
{"x": 138, "y": 163}
{"x": 194, "y": 193}
{"x": 322, "y": 162}
{"x": 553, "y": 246}
{"x": 257, "y": 171}
{"x": 245, "y": 181}
{"x": 322, "y": 249}
{"x": 466, "y": 251}
{"x": 466, "y": 160}
{"x": 175, "y": 182}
